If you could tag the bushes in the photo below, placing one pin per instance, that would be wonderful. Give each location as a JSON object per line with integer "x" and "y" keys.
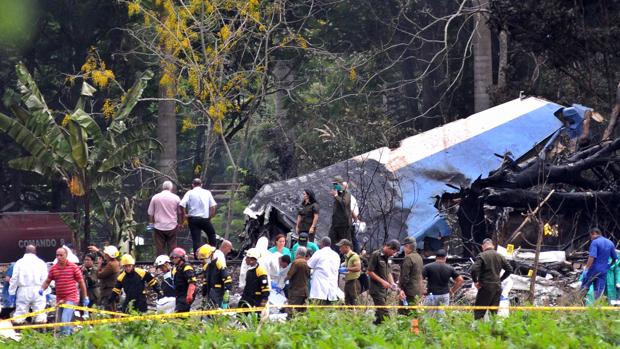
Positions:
{"x": 346, "y": 329}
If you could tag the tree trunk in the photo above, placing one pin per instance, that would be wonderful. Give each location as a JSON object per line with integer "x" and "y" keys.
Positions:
{"x": 613, "y": 120}
{"x": 167, "y": 132}
{"x": 503, "y": 59}
{"x": 482, "y": 50}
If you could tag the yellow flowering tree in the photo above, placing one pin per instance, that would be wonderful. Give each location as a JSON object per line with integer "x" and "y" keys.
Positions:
{"x": 86, "y": 152}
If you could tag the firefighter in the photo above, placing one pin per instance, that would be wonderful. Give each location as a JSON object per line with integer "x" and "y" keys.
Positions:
{"x": 133, "y": 281}
{"x": 217, "y": 279}
{"x": 184, "y": 280}
{"x": 256, "y": 291}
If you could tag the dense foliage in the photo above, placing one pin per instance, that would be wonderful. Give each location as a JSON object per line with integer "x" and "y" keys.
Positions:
{"x": 329, "y": 329}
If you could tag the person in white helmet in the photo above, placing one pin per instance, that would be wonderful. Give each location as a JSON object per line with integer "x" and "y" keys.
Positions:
{"x": 29, "y": 273}
{"x": 133, "y": 281}
{"x": 108, "y": 269}
{"x": 166, "y": 303}
{"x": 256, "y": 290}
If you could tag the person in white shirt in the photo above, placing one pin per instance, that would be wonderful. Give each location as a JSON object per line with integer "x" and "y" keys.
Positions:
{"x": 29, "y": 273}
{"x": 165, "y": 214}
{"x": 199, "y": 206}
{"x": 223, "y": 251}
{"x": 324, "y": 264}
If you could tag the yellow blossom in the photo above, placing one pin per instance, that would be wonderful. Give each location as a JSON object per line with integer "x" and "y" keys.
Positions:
{"x": 66, "y": 120}
{"x": 99, "y": 78}
{"x": 76, "y": 187}
{"x": 187, "y": 124}
{"x": 108, "y": 109}
{"x": 225, "y": 32}
{"x": 352, "y": 74}
{"x": 197, "y": 169}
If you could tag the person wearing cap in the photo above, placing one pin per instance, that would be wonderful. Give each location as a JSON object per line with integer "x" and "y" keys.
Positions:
{"x": 308, "y": 215}
{"x": 133, "y": 281}
{"x": 410, "y": 280}
{"x": 352, "y": 269}
{"x": 256, "y": 290}
{"x": 108, "y": 269}
{"x": 485, "y": 273}
{"x": 165, "y": 214}
{"x": 381, "y": 279}
{"x": 341, "y": 215}
{"x": 438, "y": 275}
{"x": 200, "y": 207}
{"x": 325, "y": 264}
{"x": 298, "y": 277}
{"x": 184, "y": 277}
{"x": 167, "y": 302}
{"x": 303, "y": 241}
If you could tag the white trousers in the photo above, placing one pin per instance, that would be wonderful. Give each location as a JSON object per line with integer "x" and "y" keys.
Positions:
{"x": 28, "y": 298}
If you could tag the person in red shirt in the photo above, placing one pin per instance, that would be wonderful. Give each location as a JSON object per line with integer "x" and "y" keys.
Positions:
{"x": 66, "y": 275}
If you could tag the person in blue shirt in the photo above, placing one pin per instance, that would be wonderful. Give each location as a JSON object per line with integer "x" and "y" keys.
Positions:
{"x": 601, "y": 250}
{"x": 8, "y": 303}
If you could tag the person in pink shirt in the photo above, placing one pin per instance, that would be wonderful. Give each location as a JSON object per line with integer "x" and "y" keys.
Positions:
{"x": 165, "y": 214}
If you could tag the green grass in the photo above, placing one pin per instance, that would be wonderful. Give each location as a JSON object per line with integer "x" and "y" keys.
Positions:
{"x": 345, "y": 329}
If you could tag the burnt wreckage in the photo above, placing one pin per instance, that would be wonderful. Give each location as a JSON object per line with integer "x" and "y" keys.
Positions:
{"x": 470, "y": 179}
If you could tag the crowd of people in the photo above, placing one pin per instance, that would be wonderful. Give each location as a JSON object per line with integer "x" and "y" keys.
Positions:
{"x": 307, "y": 273}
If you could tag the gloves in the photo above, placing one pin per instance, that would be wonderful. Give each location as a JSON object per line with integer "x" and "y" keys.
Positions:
{"x": 274, "y": 285}
{"x": 12, "y": 299}
{"x": 41, "y": 292}
{"x": 189, "y": 299}
{"x": 85, "y": 302}
{"x": 343, "y": 270}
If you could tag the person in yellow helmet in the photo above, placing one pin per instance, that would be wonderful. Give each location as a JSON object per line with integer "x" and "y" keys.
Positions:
{"x": 133, "y": 281}
{"x": 217, "y": 278}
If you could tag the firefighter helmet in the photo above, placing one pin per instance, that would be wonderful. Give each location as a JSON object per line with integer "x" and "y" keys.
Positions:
{"x": 127, "y": 259}
{"x": 205, "y": 251}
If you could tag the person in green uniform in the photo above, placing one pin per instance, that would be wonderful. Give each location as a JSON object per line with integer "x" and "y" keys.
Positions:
{"x": 485, "y": 275}
{"x": 410, "y": 281}
{"x": 352, "y": 268}
{"x": 381, "y": 279}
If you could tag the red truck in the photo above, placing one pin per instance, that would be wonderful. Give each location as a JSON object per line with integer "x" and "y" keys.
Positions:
{"x": 46, "y": 230}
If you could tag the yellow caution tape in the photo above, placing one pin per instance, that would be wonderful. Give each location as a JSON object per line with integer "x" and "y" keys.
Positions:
{"x": 34, "y": 313}
{"x": 92, "y": 310}
{"x": 131, "y": 318}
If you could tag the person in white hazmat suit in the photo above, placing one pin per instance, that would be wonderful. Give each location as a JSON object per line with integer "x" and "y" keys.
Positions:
{"x": 29, "y": 273}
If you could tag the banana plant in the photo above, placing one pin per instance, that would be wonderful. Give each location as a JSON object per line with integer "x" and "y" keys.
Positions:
{"x": 86, "y": 154}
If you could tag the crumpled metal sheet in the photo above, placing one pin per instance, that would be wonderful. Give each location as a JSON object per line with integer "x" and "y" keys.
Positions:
{"x": 397, "y": 188}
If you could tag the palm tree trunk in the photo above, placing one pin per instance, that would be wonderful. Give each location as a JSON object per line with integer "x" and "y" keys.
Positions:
{"x": 483, "y": 69}
{"x": 167, "y": 131}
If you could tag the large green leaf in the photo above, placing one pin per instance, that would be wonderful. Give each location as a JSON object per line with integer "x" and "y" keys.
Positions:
{"x": 25, "y": 138}
{"x": 128, "y": 152}
{"x": 79, "y": 147}
{"x": 41, "y": 121}
{"x": 132, "y": 97}
{"x": 86, "y": 122}
{"x": 32, "y": 164}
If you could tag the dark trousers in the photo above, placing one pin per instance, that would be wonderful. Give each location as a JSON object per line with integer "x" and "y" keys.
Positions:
{"x": 351, "y": 292}
{"x": 215, "y": 298}
{"x": 105, "y": 300}
{"x": 163, "y": 238}
{"x": 196, "y": 226}
{"x": 296, "y": 300}
{"x": 181, "y": 305}
{"x": 337, "y": 233}
{"x": 488, "y": 296}
{"x": 356, "y": 244}
{"x": 138, "y": 305}
{"x": 380, "y": 313}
